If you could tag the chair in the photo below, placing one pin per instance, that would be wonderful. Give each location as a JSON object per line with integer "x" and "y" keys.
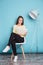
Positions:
{"x": 21, "y": 46}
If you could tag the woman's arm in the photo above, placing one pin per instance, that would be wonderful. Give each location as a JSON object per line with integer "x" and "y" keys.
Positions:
{"x": 24, "y": 32}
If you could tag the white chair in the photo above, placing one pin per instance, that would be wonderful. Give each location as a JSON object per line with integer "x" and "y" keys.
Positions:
{"x": 21, "y": 46}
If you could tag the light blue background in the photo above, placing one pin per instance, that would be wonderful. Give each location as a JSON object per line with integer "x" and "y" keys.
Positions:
{"x": 9, "y": 11}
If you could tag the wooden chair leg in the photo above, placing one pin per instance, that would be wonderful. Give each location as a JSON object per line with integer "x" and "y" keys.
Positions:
{"x": 23, "y": 51}
{"x": 12, "y": 56}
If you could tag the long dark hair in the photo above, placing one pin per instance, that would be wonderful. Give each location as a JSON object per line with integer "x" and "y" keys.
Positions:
{"x": 18, "y": 20}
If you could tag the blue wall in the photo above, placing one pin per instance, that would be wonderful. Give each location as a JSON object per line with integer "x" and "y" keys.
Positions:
{"x": 9, "y": 11}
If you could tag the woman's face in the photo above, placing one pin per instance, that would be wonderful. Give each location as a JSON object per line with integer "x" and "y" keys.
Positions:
{"x": 20, "y": 21}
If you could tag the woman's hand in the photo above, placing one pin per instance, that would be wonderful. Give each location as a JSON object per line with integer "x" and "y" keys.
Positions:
{"x": 23, "y": 34}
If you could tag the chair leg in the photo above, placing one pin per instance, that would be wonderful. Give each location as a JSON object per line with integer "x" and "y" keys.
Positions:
{"x": 12, "y": 56}
{"x": 23, "y": 51}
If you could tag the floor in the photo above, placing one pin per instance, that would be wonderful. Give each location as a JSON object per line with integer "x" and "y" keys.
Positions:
{"x": 31, "y": 59}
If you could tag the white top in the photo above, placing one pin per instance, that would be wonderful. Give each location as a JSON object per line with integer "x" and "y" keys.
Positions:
{"x": 19, "y": 30}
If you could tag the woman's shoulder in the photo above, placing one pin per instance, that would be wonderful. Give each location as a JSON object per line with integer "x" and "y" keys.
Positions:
{"x": 17, "y": 25}
{"x": 14, "y": 25}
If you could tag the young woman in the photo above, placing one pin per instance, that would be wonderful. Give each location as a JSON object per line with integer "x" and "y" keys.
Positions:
{"x": 17, "y": 36}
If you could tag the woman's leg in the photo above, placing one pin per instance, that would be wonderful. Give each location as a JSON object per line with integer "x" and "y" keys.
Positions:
{"x": 16, "y": 39}
{"x": 14, "y": 48}
{"x": 10, "y": 39}
{"x": 7, "y": 48}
